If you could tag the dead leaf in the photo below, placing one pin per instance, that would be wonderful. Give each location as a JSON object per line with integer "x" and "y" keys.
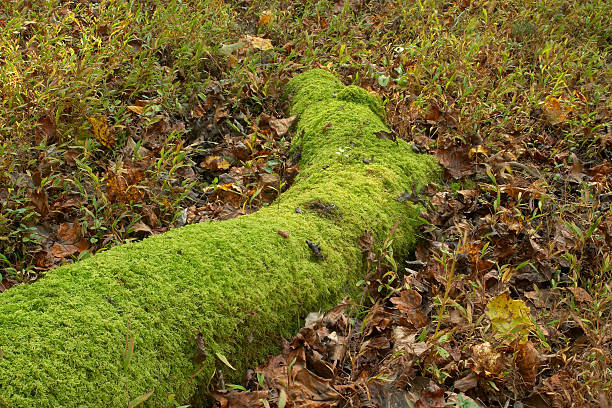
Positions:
{"x": 581, "y": 295}
{"x": 433, "y": 113}
{"x": 47, "y": 129}
{"x": 431, "y": 397}
{"x": 281, "y": 126}
{"x": 456, "y": 160}
{"x": 467, "y": 383}
{"x": 63, "y": 250}
{"x": 141, "y": 227}
{"x": 576, "y": 174}
{"x": 409, "y": 302}
{"x": 480, "y": 149}
{"x": 563, "y": 390}
{"x": 528, "y": 363}
{"x": 215, "y": 163}
{"x": 68, "y": 232}
{"x": 136, "y": 109}
{"x": 123, "y": 185}
{"x": 41, "y": 201}
{"x": 405, "y": 340}
{"x": 510, "y": 319}
{"x": 238, "y": 399}
{"x": 197, "y": 111}
{"x": 265, "y": 17}
{"x": 102, "y": 132}
{"x": 259, "y": 43}
{"x": 220, "y": 113}
{"x": 553, "y": 110}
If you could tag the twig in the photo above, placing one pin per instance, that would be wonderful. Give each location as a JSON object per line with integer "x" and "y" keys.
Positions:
{"x": 529, "y": 170}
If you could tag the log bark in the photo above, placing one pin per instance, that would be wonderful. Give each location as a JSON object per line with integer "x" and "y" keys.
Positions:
{"x": 128, "y": 321}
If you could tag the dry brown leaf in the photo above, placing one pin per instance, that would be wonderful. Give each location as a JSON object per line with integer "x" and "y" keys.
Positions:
{"x": 63, "y": 250}
{"x": 486, "y": 362}
{"x": 455, "y": 159}
{"x": 40, "y": 201}
{"x": 576, "y": 171}
{"x": 409, "y": 302}
{"x": 405, "y": 340}
{"x": 68, "y": 232}
{"x": 281, "y": 126}
{"x": 122, "y": 186}
{"x": 215, "y": 163}
{"x": 238, "y": 399}
{"x": 528, "y": 363}
{"x": 467, "y": 383}
{"x": 47, "y": 129}
{"x": 581, "y": 295}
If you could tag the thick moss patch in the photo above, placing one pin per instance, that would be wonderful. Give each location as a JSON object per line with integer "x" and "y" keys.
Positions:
{"x": 237, "y": 282}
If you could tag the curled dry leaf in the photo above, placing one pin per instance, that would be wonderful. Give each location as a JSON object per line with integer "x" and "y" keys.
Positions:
{"x": 237, "y": 399}
{"x": 528, "y": 363}
{"x": 467, "y": 383}
{"x": 576, "y": 174}
{"x": 41, "y": 201}
{"x": 405, "y": 340}
{"x": 486, "y": 362}
{"x": 139, "y": 110}
{"x": 409, "y": 302}
{"x": 68, "y": 232}
{"x": 215, "y": 163}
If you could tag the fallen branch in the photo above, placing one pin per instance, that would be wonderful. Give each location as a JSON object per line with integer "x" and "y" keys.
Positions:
{"x": 203, "y": 297}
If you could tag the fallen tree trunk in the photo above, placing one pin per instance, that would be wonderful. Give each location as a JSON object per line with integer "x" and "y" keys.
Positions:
{"x": 124, "y": 322}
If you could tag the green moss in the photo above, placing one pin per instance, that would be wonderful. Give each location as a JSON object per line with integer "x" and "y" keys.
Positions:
{"x": 237, "y": 282}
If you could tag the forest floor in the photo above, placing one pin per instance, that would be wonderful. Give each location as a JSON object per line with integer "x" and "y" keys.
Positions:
{"x": 120, "y": 119}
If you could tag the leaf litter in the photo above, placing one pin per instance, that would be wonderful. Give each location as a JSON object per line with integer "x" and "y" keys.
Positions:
{"x": 523, "y": 217}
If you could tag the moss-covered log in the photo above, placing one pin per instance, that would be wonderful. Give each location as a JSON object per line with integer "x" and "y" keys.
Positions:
{"x": 237, "y": 282}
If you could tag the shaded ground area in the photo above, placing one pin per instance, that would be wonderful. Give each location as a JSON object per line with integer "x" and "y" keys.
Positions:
{"x": 116, "y": 124}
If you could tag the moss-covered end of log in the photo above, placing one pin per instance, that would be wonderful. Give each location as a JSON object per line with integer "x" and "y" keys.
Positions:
{"x": 237, "y": 282}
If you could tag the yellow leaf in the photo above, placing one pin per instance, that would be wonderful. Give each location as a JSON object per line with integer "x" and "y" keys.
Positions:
{"x": 553, "y": 110}
{"x": 263, "y": 44}
{"x": 225, "y": 361}
{"x": 480, "y": 149}
{"x": 510, "y": 319}
{"x": 265, "y": 18}
{"x": 136, "y": 109}
{"x": 225, "y": 187}
{"x": 223, "y": 165}
{"x": 215, "y": 163}
{"x": 580, "y": 96}
{"x": 101, "y": 131}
